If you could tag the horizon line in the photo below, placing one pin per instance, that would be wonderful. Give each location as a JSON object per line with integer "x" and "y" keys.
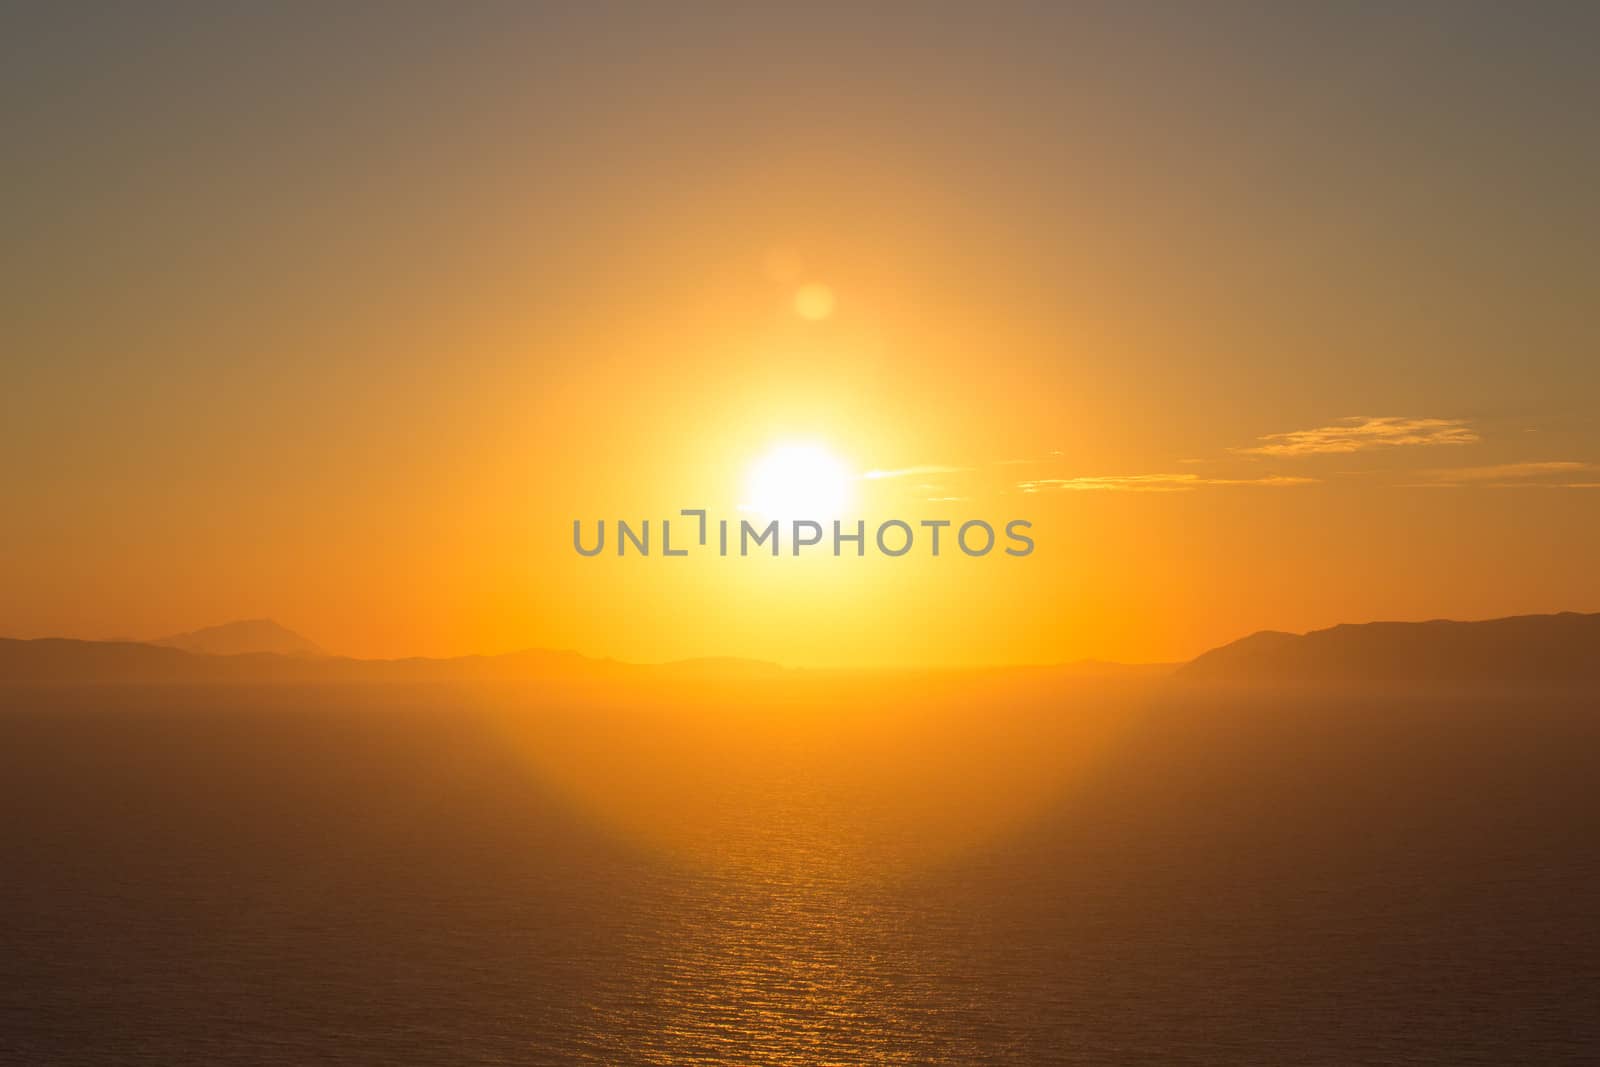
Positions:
{"x": 841, "y": 668}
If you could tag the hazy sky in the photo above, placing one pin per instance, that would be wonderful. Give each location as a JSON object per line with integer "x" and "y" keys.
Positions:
{"x": 1266, "y": 316}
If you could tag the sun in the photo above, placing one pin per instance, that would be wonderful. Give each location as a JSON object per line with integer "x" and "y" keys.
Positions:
{"x": 798, "y": 480}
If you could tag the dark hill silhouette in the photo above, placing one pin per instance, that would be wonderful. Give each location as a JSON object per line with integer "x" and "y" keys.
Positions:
{"x": 1536, "y": 650}
{"x": 61, "y": 660}
{"x": 715, "y": 667}
{"x": 239, "y": 638}
{"x": 1530, "y": 650}
{"x": 55, "y": 660}
{"x": 1105, "y": 669}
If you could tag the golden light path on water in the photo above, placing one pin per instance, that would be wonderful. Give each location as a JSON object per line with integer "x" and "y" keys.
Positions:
{"x": 798, "y": 807}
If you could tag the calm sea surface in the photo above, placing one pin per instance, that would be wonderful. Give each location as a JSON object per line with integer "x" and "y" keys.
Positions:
{"x": 990, "y": 875}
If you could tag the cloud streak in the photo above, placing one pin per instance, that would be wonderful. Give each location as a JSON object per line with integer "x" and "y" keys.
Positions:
{"x": 1547, "y": 474}
{"x": 907, "y": 472}
{"x": 1152, "y": 483}
{"x": 1360, "y": 433}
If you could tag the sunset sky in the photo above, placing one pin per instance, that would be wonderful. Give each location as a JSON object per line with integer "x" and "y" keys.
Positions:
{"x": 342, "y": 319}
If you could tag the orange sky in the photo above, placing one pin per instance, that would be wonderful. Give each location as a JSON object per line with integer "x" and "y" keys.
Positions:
{"x": 1281, "y": 326}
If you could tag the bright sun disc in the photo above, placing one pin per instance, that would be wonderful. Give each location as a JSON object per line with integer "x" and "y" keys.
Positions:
{"x": 798, "y": 481}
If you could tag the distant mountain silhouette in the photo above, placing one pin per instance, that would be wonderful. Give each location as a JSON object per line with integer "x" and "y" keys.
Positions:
{"x": 718, "y": 667}
{"x": 241, "y": 638}
{"x": 54, "y": 659}
{"x": 1559, "y": 649}
{"x": 1100, "y": 668}
{"x": 1529, "y": 650}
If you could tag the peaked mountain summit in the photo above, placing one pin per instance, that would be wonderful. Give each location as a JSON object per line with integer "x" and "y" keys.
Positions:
{"x": 240, "y": 638}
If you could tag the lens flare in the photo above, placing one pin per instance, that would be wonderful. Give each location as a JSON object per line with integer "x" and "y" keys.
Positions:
{"x": 813, "y": 302}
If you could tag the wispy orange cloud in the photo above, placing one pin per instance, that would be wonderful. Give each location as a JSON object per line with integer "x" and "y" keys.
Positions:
{"x": 1550, "y": 474}
{"x": 1054, "y": 453}
{"x": 906, "y": 472}
{"x": 1359, "y": 433}
{"x": 1151, "y": 483}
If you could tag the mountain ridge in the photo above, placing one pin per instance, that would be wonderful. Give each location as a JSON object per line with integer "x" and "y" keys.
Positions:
{"x": 1560, "y": 648}
{"x": 1555, "y": 649}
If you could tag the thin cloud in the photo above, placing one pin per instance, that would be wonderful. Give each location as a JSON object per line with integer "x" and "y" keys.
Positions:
{"x": 1054, "y": 453}
{"x": 1151, "y": 483}
{"x": 1359, "y": 433}
{"x": 1549, "y": 474}
{"x": 907, "y": 472}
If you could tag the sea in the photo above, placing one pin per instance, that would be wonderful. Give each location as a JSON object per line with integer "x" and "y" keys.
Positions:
{"x": 911, "y": 870}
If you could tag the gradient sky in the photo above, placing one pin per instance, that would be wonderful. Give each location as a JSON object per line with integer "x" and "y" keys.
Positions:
{"x": 1266, "y": 316}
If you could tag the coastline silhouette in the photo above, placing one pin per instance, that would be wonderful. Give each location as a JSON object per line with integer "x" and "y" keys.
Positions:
{"x": 1535, "y": 650}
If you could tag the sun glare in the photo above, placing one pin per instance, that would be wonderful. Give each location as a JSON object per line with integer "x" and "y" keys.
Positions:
{"x": 798, "y": 481}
